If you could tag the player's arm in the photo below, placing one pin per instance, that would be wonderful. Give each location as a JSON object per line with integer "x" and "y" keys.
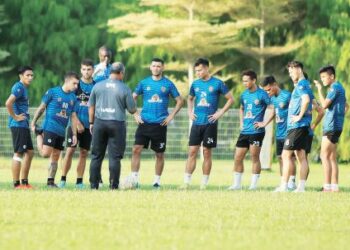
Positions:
{"x": 320, "y": 113}
{"x": 325, "y": 102}
{"x": 305, "y": 100}
{"x": 268, "y": 120}
{"x": 9, "y": 105}
{"x": 137, "y": 115}
{"x": 38, "y": 113}
{"x": 179, "y": 104}
{"x": 229, "y": 101}
{"x": 190, "y": 109}
{"x": 74, "y": 120}
{"x": 241, "y": 114}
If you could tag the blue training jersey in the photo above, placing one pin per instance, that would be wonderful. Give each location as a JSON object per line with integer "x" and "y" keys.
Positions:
{"x": 155, "y": 98}
{"x": 254, "y": 105}
{"x": 300, "y": 89}
{"x": 59, "y": 107}
{"x": 83, "y": 95}
{"x": 280, "y": 103}
{"x": 335, "y": 113}
{"x": 206, "y": 95}
{"x": 20, "y": 106}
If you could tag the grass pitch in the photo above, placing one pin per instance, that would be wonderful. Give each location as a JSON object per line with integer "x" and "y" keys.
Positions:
{"x": 170, "y": 218}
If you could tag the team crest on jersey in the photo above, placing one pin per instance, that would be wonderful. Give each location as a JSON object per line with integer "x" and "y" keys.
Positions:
{"x": 155, "y": 98}
{"x": 163, "y": 89}
{"x": 281, "y": 104}
{"x": 256, "y": 102}
{"x": 196, "y": 89}
{"x": 211, "y": 88}
{"x": 148, "y": 88}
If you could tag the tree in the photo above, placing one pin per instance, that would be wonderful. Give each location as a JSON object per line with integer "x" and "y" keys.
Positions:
{"x": 188, "y": 35}
{"x": 3, "y": 54}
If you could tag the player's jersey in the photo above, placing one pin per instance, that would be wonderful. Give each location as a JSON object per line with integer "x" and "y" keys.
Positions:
{"x": 300, "y": 89}
{"x": 254, "y": 105}
{"x": 102, "y": 75}
{"x": 334, "y": 118}
{"x": 206, "y": 95}
{"x": 59, "y": 107}
{"x": 280, "y": 104}
{"x": 20, "y": 106}
{"x": 155, "y": 96}
{"x": 83, "y": 94}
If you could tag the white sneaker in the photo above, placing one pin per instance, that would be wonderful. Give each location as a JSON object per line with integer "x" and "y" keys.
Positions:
{"x": 184, "y": 186}
{"x": 280, "y": 189}
{"x": 292, "y": 186}
{"x": 252, "y": 188}
{"x": 234, "y": 187}
{"x": 203, "y": 187}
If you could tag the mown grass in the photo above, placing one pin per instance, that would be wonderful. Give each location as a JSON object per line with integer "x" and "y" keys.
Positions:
{"x": 170, "y": 218}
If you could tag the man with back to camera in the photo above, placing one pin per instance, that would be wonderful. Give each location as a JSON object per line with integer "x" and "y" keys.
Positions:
{"x": 336, "y": 106}
{"x": 254, "y": 102}
{"x": 17, "y": 106}
{"x": 108, "y": 101}
{"x": 86, "y": 83}
{"x": 154, "y": 119}
{"x": 202, "y": 104}
{"x": 60, "y": 105}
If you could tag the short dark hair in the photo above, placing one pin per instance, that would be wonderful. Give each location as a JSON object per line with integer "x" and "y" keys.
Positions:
{"x": 87, "y": 62}
{"x": 156, "y": 59}
{"x": 71, "y": 74}
{"x": 306, "y": 75}
{"x": 268, "y": 80}
{"x": 329, "y": 69}
{"x": 23, "y": 69}
{"x": 295, "y": 64}
{"x": 250, "y": 73}
{"x": 201, "y": 61}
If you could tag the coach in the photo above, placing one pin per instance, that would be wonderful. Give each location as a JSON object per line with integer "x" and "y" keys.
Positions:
{"x": 108, "y": 101}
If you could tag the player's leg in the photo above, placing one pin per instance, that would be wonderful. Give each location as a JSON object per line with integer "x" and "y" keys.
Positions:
{"x": 17, "y": 156}
{"x": 55, "y": 155}
{"x": 141, "y": 141}
{"x": 67, "y": 162}
{"x": 84, "y": 144}
{"x": 254, "y": 150}
{"x": 326, "y": 151}
{"x": 292, "y": 173}
{"x": 242, "y": 147}
{"x": 27, "y": 157}
{"x": 209, "y": 142}
{"x": 158, "y": 145}
{"x": 304, "y": 169}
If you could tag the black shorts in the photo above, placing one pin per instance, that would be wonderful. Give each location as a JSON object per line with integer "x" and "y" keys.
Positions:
{"x": 154, "y": 133}
{"x": 84, "y": 139}
{"x": 53, "y": 140}
{"x": 308, "y": 142}
{"x": 333, "y": 136}
{"x": 244, "y": 141}
{"x": 279, "y": 146}
{"x": 204, "y": 133}
{"x": 296, "y": 139}
{"x": 21, "y": 139}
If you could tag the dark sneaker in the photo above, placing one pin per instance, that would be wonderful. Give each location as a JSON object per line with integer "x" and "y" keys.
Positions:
{"x": 156, "y": 186}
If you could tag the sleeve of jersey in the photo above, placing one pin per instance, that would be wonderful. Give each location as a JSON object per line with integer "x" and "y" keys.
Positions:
{"x": 17, "y": 91}
{"x": 138, "y": 90}
{"x": 223, "y": 88}
{"x": 47, "y": 97}
{"x": 173, "y": 90}
{"x": 92, "y": 99}
{"x": 331, "y": 94}
{"x": 76, "y": 105}
{"x": 192, "y": 91}
{"x": 266, "y": 99}
{"x": 302, "y": 90}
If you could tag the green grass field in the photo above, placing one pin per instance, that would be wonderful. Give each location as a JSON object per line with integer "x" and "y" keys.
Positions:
{"x": 173, "y": 219}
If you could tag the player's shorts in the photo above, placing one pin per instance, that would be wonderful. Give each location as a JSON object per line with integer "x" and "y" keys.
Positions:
{"x": 84, "y": 139}
{"x": 206, "y": 134}
{"x": 309, "y": 140}
{"x": 296, "y": 139}
{"x": 154, "y": 133}
{"x": 333, "y": 136}
{"x": 53, "y": 140}
{"x": 21, "y": 139}
{"x": 279, "y": 146}
{"x": 244, "y": 141}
